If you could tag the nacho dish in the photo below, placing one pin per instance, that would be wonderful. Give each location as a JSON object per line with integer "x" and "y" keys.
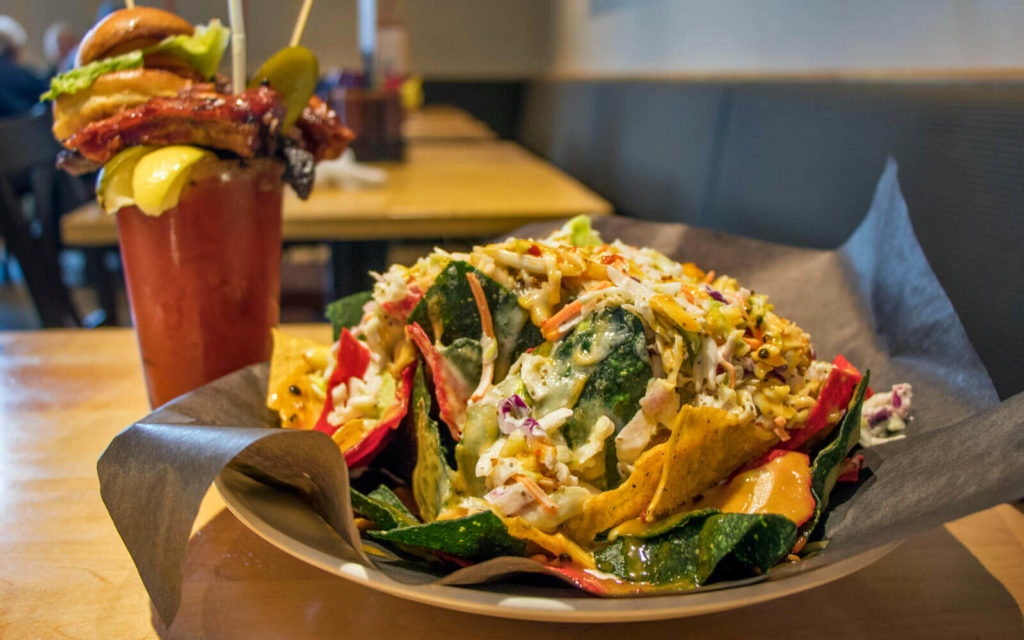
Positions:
{"x": 631, "y": 423}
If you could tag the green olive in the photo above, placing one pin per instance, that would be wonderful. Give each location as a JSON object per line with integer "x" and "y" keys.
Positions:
{"x": 292, "y": 72}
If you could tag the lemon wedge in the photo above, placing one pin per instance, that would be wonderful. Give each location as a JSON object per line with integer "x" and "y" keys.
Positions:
{"x": 160, "y": 175}
{"x": 114, "y": 183}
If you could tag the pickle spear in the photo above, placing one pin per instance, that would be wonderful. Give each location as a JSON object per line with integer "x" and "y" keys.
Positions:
{"x": 292, "y": 72}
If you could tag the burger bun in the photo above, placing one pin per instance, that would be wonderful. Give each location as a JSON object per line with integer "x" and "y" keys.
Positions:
{"x": 128, "y": 30}
{"x": 111, "y": 93}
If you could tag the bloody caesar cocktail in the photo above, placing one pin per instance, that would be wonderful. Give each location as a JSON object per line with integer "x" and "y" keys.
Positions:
{"x": 200, "y": 234}
{"x": 204, "y": 277}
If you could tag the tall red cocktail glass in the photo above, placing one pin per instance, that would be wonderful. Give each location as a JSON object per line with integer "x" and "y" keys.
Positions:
{"x": 204, "y": 278}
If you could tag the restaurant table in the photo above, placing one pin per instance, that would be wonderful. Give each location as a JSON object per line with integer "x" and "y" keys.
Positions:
{"x": 444, "y": 123}
{"x": 457, "y": 190}
{"x": 65, "y": 572}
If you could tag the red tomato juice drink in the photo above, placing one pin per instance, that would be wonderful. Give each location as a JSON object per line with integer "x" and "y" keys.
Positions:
{"x": 204, "y": 278}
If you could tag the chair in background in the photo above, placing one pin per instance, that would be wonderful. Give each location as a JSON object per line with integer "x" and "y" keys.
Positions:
{"x": 27, "y": 151}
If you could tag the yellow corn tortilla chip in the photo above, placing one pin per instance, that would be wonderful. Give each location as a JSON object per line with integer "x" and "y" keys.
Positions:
{"x": 349, "y": 434}
{"x": 706, "y": 445}
{"x": 289, "y": 367}
{"x": 554, "y": 543}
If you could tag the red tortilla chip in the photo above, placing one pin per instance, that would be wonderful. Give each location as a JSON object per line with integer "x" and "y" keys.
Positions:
{"x": 353, "y": 360}
{"x": 452, "y": 394}
{"x": 373, "y": 442}
{"x": 834, "y": 398}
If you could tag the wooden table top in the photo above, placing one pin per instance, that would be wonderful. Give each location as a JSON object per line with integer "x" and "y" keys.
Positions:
{"x": 65, "y": 572}
{"x": 461, "y": 190}
{"x": 444, "y": 123}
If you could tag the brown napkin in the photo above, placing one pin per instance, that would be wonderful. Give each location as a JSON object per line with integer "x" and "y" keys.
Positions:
{"x": 875, "y": 300}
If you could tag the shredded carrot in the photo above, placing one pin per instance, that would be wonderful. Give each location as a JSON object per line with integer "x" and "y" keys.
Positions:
{"x": 689, "y": 296}
{"x": 487, "y": 370}
{"x": 753, "y": 343}
{"x": 780, "y": 429}
{"x": 481, "y": 304}
{"x": 728, "y": 366}
{"x": 742, "y": 307}
{"x": 542, "y": 498}
{"x": 549, "y": 328}
{"x": 710, "y": 277}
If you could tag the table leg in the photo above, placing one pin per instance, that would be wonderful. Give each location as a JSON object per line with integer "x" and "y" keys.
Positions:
{"x": 350, "y": 265}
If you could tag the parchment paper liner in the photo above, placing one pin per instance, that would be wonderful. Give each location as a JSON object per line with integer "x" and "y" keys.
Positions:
{"x": 875, "y": 300}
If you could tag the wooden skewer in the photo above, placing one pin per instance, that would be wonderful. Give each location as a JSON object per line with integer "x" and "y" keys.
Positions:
{"x": 237, "y": 45}
{"x": 300, "y": 24}
{"x": 130, "y": 4}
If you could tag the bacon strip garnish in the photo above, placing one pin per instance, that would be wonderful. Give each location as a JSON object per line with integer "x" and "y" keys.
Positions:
{"x": 321, "y": 132}
{"x": 244, "y": 124}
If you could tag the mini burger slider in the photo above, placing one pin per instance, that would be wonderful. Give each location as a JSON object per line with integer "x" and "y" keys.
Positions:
{"x": 145, "y": 80}
{"x": 130, "y": 57}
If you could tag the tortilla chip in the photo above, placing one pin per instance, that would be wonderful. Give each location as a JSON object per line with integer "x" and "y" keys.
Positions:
{"x": 349, "y": 434}
{"x": 554, "y": 543}
{"x": 781, "y": 486}
{"x": 289, "y": 368}
{"x": 706, "y": 446}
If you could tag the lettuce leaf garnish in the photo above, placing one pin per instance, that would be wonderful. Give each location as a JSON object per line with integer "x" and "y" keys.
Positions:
{"x": 203, "y": 50}
{"x": 82, "y": 77}
{"x": 581, "y": 234}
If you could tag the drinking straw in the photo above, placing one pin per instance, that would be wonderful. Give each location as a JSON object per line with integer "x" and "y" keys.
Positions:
{"x": 300, "y": 24}
{"x": 237, "y": 45}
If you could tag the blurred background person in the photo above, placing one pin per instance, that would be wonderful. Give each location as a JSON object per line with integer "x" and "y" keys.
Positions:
{"x": 59, "y": 40}
{"x": 19, "y": 86}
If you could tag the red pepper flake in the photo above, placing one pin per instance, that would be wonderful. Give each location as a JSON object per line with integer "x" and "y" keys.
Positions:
{"x": 534, "y": 250}
{"x": 612, "y": 259}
